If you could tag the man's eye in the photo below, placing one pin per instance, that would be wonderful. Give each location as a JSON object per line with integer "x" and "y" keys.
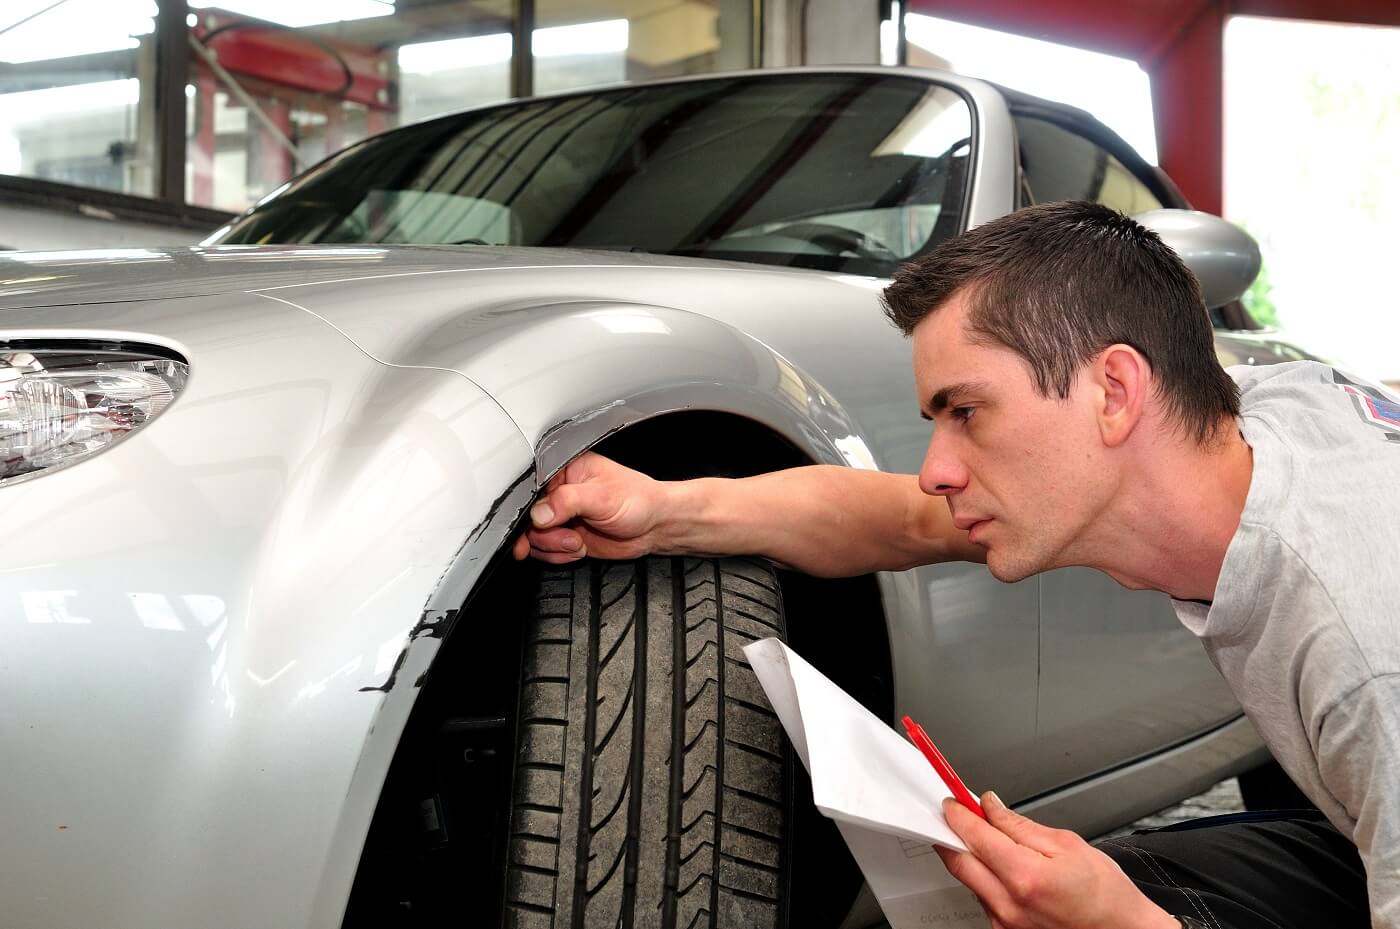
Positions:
{"x": 963, "y": 413}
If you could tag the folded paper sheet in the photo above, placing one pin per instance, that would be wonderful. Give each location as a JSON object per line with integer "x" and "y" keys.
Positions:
{"x": 879, "y": 789}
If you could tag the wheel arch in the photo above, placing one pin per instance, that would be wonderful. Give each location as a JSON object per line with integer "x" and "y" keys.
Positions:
{"x": 821, "y": 611}
{"x": 676, "y": 395}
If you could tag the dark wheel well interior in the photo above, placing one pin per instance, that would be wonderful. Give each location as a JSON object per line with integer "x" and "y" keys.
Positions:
{"x": 435, "y": 851}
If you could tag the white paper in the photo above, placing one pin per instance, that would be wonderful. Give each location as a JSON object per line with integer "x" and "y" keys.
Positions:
{"x": 882, "y": 793}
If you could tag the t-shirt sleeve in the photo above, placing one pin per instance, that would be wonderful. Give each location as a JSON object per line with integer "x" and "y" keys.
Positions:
{"x": 1359, "y": 754}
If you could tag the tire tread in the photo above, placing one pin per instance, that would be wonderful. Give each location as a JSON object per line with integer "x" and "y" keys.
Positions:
{"x": 669, "y": 807}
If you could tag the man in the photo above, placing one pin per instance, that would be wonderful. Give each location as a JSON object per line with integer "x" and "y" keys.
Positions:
{"x": 1066, "y": 359}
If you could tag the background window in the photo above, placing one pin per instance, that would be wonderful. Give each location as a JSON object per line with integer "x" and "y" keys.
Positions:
{"x": 581, "y": 43}
{"x": 76, "y": 102}
{"x": 280, "y": 85}
{"x": 272, "y": 87}
{"x": 1312, "y": 170}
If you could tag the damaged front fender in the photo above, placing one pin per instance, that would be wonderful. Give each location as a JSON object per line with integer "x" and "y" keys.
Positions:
{"x": 211, "y": 633}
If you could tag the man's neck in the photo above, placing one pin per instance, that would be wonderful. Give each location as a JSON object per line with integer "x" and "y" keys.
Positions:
{"x": 1172, "y": 527}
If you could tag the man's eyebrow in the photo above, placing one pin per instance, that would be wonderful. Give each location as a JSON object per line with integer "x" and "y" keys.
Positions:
{"x": 951, "y": 395}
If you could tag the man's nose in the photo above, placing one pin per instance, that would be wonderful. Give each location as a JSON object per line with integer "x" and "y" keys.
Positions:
{"x": 942, "y": 473}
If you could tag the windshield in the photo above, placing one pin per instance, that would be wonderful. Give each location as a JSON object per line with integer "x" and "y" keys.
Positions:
{"x": 848, "y": 172}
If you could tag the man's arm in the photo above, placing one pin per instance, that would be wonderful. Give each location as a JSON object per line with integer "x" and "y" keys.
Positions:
{"x": 822, "y": 520}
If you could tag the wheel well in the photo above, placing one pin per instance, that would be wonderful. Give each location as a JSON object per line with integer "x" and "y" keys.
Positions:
{"x": 434, "y": 848}
{"x": 822, "y": 612}
{"x": 700, "y": 443}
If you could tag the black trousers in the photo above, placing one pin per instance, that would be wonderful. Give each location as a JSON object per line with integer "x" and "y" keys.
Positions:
{"x": 1264, "y": 870}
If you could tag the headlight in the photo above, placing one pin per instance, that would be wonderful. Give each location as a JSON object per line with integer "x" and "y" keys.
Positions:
{"x": 62, "y": 402}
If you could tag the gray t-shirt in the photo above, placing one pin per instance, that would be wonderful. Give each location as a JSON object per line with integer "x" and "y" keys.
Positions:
{"x": 1305, "y": 625}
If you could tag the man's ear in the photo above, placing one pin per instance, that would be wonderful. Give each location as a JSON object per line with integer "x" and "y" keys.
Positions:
{"x": 1123, "y": 378}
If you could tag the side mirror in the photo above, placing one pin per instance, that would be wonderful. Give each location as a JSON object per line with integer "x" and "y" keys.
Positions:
{"x": 1224, "y": 258}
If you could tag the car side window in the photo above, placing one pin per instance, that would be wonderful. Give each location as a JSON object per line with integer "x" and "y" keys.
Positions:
{"x": 1057, "y": 164}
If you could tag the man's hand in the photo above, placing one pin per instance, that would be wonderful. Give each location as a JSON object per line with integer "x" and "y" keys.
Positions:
{"x": 1029, "y": 876}
{"x": 597, "y": 507}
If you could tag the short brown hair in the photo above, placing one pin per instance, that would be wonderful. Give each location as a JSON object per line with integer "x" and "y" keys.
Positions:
{"x": 1058, "y": 283}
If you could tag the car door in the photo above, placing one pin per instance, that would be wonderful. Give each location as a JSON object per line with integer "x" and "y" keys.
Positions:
{"x": 1120, "y": 677}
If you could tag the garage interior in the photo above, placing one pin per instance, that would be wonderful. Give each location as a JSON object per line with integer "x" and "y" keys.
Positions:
{"x": 132, "y": 126}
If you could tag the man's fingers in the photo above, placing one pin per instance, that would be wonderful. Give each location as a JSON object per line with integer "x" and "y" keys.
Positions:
{"x": 976, "y": 877}
{"x": 521, "y": 549}
{"x": 994, "y": 848}
{"x": 560, "y": 539}
{"x": 558, "y": 557}
{"x": 1025, "y": 831}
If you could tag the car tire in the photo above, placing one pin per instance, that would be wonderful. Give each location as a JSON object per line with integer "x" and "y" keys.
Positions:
{"x": 1268, "y": 787}
{"x": 652, "y": 786}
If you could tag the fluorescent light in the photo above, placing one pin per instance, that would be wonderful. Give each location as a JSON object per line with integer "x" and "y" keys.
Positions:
{"x": 78, "y": 27}
{"x": 454, "y": 54}
{"x": 27, "y": 106}
{"x": 298, "y": 13}
{"x": 609, "y": 35}
{"x": 1114, "y": 89}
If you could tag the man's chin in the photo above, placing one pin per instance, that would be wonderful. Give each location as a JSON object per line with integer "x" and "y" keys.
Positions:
{"x": 1009, "y": 570}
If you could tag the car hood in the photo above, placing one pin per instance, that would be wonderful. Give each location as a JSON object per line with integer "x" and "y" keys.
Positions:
{"x": 67, "y": 278}
{"x": 97, "y": 276}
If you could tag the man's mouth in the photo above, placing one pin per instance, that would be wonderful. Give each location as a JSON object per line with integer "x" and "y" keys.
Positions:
{"x": 975, "y": 528}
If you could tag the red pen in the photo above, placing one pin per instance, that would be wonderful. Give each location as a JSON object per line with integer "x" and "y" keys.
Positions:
{"x": 940, "y": 764}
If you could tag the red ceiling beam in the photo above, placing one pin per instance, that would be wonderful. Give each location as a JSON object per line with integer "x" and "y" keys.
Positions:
{"x": 1188, "y": 105}
{"x": 1357, "y": 12}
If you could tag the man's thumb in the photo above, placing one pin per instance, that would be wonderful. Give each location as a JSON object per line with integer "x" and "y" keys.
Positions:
{"x": 542, "y": 514}
{"x": 1002, "y": 816}
{"x": 566, "y": 502}
{"x": 1024, "y": 831}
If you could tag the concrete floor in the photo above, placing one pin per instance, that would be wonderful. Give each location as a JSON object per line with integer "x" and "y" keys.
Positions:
{"x": 1222, "y": 798}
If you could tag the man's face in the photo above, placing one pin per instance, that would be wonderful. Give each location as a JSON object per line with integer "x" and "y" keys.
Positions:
{"x": 1025, "y": 473}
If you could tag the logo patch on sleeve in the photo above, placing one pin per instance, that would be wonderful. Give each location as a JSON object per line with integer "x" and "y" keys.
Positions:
{"x": 1372, "y": 404}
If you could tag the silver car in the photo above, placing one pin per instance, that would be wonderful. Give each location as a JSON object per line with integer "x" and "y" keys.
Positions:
{"x": 266, "y": 660}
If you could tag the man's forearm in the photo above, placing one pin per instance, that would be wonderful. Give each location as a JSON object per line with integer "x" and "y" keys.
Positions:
{"x": 822, "y": 520}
